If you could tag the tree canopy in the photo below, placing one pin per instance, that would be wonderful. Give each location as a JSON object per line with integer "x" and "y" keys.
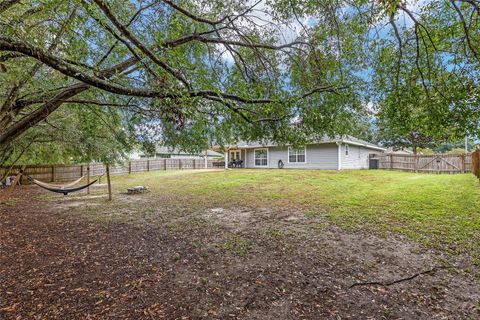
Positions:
{"x": 87, "y": 79}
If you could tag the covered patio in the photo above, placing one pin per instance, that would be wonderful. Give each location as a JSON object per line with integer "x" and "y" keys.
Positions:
{"x": 235, "y": 157}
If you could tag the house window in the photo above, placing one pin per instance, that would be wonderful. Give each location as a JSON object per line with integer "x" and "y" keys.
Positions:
{"x": 296, "y": 154}
{"x": 346, "y": 150}
{"x": 261, "y": 157}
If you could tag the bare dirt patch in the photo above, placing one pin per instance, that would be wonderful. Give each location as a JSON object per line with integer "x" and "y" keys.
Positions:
{"x": 237, "y": 219}
{"x": 225, "y": 263}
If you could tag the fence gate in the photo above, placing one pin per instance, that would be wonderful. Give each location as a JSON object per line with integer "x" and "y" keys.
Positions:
{"x": 437, "y": 163}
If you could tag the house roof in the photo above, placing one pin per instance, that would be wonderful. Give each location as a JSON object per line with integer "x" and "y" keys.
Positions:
{"x": 341, "y": 139}
{"x": 168, "y": 150}
{"x": 363, "y": 143}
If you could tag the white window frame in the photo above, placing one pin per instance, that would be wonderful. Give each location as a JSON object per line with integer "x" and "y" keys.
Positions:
{"x": 255, "y": 157}
{"x": 305, "y": 154}
{"x": 347, "y": 150}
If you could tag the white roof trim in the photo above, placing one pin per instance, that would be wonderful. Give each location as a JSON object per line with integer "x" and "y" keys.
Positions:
{"x": 309, "y": 143}
{"x": 363, "y": 145}
{"x": 273, "y": 145}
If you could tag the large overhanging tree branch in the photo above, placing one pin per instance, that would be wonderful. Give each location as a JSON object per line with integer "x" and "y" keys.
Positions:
{"x": 7, "y": 110}
{"x": 210, "y": 70}
{"x": 14, "y": 130}
{"x": 157, "y": 62}
{"x": 5, "y": 4}
{"x": 100, "y": 80}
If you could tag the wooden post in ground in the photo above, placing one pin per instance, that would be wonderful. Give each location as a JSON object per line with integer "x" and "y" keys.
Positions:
{"x": 109, "y": 184}
{"x": 462, "y": 159}
{"x": 474, "y": 163}
{"x": 53, "y": 173}
{"x": 391, "y": 162}
{"x": 88, "y": 178}
{"x": 9, "y": 191}
{"x": 148, "y": 165}
{"x": 477, "y": 153}
{"x": 165, "y": 164}
{"x": 129, "y": 167}
{"x": 477, "y": 163}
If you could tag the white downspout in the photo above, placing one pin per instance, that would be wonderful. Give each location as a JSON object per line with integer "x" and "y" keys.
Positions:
{"x": 339, "y": 156}
{"x": 226, "y": 159}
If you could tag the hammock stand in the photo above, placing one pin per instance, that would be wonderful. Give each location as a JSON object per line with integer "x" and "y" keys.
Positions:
{"x": 64, "y": 189}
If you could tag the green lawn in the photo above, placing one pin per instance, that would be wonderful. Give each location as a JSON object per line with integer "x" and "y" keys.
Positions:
{"x": 440, "y": 211}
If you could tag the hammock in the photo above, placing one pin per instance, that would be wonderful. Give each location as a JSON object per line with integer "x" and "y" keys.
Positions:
{"x": 65, "y": 189}
{"x": 58, "y": 186}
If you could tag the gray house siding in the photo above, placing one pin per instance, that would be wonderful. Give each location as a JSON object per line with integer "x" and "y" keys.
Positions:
{"x": 357, "y": 157}
{"x": 249, "y": 163}
{"x": 318, "y": 156}
{"x": 325, "y": 154}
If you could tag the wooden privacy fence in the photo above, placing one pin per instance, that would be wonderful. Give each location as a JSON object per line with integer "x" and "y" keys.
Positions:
{"x": 476, "y": 163}
{"x": 69, "y": 172}
{"x": 436, "y": 163}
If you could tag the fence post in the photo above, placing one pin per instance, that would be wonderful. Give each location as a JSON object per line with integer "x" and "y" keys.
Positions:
{"x": 474, "y": 163}
{"x": 129, "y": 167}
{"x": 53, "y": 173}
{"x": 464, "y": 169}
{"x": 165, "y": 164}
{"x": 194, "y": 160}
{"x": 391, "y": 162}
{"x": 478, "y": 163}
{"x": 88, "y": 178}
{"x": 179, "y": 164}
{"x": 148, "y": 165}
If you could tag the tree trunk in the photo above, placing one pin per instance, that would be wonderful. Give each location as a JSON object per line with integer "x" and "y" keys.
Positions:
{"x": 109, "y": 183}
{"x": 12, "y": 130}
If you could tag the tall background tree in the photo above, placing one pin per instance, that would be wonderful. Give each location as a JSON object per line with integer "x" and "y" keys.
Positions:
{"x": 426, "y": 71}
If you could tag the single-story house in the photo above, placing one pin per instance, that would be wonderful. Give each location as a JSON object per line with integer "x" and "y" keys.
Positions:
{"x": 330, "y": 153}
{"x": 164, "y": 152}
